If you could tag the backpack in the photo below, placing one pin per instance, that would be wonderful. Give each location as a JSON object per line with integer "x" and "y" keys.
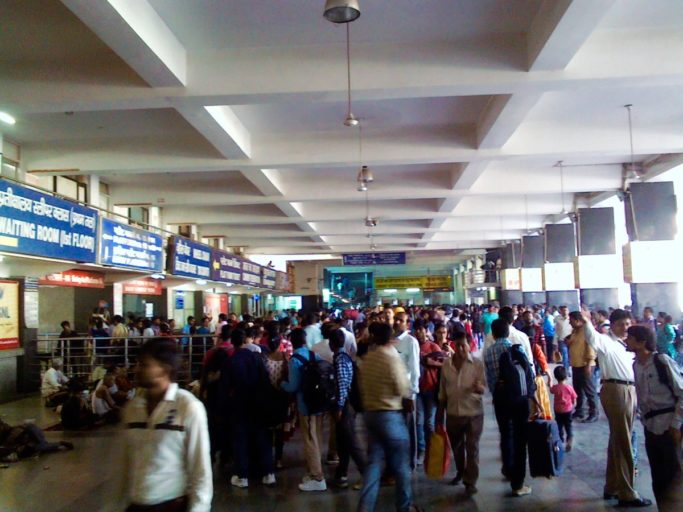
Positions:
{"x": 662, "y": 371}
{"x": 317, "y": 384}
{"x": 516, "y": 378}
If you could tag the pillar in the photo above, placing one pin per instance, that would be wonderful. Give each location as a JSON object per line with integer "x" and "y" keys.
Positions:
{"x": 652, "y": 258}
{"x": 533, "y": 256}
{"x": 558, "y": 269}
{"x": 598, "y": 267}
{"x": 510, "y": 286}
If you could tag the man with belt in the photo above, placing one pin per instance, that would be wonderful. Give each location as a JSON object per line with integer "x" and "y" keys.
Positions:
{"x": 166, "y": 450}
{"x": 618, "y": 398}
{"x": 660, "y": 399}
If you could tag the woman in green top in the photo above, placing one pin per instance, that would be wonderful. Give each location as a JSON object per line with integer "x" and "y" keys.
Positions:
{"x": 666, "y": 337}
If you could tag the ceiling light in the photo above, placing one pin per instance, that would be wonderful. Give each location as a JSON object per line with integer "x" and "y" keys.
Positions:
{"x": 370, "y": 222}
{"x": 201, "y": 282}
{"x": 351, "y": 120}
{"x": 158, "y": 276}
{"x": 362, "y": 186}
{"x": 229, "y": 285}
{"x": 413, "y": 290}
{"x": 6, "y": 118}
{"x": 390, "y": 290}
{"x": 373, "y": 247}
{"x": 341, "y": 11}
{"x": 365, "y": 175}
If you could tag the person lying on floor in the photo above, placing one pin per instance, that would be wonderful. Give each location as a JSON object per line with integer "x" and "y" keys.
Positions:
{"x": 24, "y": 441}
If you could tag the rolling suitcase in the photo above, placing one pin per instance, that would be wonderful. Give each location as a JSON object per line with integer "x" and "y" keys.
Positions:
{"x": 546, "y": 450}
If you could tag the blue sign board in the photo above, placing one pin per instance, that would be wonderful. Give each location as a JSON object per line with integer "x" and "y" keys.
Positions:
{"x": 42, "y": 225}
{"x": 251, "y": 274}
{"x": 375, "y": 258}
{"x": 226, "y": 267}
{"x": 125, "y": 246}
{"x": 268, "y": 277}
{"x": 188, "y": 258}
{"x": 179, "y": 300}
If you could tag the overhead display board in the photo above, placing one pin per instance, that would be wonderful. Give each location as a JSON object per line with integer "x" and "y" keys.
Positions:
{"x": 282, "y": 281}
{"x": 128, "y": 247}
{"x": 424, "y": 283}
{"x": 374, "y": 258}
{"x": 39, "y": 224}
{"x": 226, "y": 267}
{"x": 187, "y": 258}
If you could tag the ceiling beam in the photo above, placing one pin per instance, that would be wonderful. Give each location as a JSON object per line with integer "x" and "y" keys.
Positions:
{"x": 134, "y": 30}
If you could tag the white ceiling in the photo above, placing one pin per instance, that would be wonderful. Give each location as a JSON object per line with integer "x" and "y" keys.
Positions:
{"x": 466, "y": 108}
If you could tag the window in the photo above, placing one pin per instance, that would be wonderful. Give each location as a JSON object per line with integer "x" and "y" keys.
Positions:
{"x": 139, "y": 215}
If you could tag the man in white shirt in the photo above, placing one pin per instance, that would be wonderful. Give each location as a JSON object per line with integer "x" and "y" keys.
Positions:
{"x": 563, "y": 329}
{"x": 618, "y": 398}
{"x": 166, "y": 450}
{"x": 311, "y": 325}
{"x": 52, "y": 388}
{"x": 409, "y": 351}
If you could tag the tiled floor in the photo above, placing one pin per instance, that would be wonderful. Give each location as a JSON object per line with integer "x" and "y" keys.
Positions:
{"x": 87, "y": 479}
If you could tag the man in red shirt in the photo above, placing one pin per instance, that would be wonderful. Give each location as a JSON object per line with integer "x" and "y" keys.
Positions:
{"x": 431, "y": 361}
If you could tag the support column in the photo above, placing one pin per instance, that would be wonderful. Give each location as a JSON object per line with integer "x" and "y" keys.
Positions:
{"x": 511, "y": 258}
{"x": 598, "y": 267}
{"x": 652, "y": 258}
{"x": 94, "y": 190}
{"x": 533, "y": 256}
{"x": 558, "y": 270}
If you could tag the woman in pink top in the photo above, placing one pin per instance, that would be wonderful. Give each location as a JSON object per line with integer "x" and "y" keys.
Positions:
{"x": 565, "y": 400}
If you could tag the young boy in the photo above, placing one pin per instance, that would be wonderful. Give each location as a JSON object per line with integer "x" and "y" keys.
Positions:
{"x": 565, "y": 401}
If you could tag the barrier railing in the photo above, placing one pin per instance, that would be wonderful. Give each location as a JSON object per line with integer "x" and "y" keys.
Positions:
{"x": 82, "y": 356}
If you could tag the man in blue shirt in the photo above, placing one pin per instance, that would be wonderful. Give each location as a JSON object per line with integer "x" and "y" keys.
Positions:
{"x": 311, "y": 424}
{"x": 348, "y": 445}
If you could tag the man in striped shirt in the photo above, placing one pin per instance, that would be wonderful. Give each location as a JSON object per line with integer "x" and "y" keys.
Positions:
{"x": 348, "y": 445}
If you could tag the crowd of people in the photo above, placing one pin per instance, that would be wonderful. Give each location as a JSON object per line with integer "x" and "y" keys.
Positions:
{"x": 406, "y": 370}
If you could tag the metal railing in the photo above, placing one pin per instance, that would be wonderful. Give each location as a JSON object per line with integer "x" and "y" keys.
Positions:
{"x": 89, "y": 356}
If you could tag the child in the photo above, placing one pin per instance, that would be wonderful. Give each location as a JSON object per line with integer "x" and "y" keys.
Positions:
{"x": 565, "y": 400}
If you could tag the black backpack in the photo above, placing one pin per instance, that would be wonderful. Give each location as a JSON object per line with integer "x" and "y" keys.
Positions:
{"x": 317, "y": 384}
{"x": 516, "y": 378}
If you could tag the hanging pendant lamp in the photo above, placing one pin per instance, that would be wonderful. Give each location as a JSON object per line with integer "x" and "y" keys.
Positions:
{"x": 341, "y": 11}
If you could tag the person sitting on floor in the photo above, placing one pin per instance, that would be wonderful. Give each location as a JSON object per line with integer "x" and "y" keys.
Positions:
{"x": 76, "y": 412}
{"x": 53, "y": 388}
{"x": 24, "y": 441}
{"x": 103, "y": 404}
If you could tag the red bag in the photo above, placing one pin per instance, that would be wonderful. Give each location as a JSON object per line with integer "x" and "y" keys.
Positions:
{"x": 438, "y": 459}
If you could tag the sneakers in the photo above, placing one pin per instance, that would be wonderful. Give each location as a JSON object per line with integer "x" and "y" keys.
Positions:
{"x": 236, "y": 481}
{"x": 420, "y": 459}
{"x": 269, "y": 479}
{"x": 568, "y": 446}
{"x": 525, "y": 490}
{"x": 313, "y": 485}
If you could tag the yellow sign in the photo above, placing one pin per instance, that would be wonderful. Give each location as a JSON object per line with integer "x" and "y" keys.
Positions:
{"x": 9, "y": 315}
{"x": 423, "y": 282}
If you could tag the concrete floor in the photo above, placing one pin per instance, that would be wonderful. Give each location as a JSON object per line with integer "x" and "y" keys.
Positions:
{"x": 87, "y": 479}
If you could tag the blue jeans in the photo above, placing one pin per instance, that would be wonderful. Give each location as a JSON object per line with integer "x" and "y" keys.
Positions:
{"x": 564, "y": 350}
{"x": 426, "y": 415}
{"x": 387, "y": 439}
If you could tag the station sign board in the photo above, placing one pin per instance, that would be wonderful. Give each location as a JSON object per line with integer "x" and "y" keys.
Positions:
{"x": 226, "y": 267}
{"x": 74, "y": 278}
{"x": 374, "y": 258}
{"x": 425, "y": 283}
{"x": 251, "y": 274}
{"x": 146, "y": 286}
{"x": 129, "y": 247}
{"x": 187, "y": 258}
{"x": 268, "y": 278}
{"x": 38, "y": 224}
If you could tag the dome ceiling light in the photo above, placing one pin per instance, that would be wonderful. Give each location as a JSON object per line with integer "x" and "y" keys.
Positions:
{"x": 341, "y": 11}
